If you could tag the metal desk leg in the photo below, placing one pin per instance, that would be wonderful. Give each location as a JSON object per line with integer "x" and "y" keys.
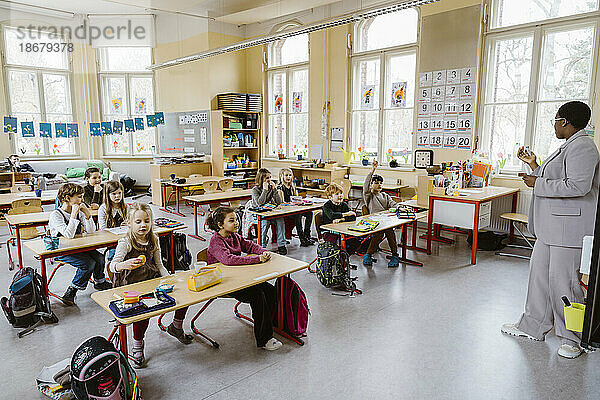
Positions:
{"x": 123, "y": 339}
{"x": 342, "y": 241}
{"x": 18, "y": 240}
{"x": 196, "y": 234}
{"x": 172, "y": 244}
{"x": 259, "y": 230}
{"x": 43, "y": 271}
{"x": 429, "y": 224}
{"x": 475, "y": 234}
{"x": 403, "y": 258}
{"x": 177, "y": 200}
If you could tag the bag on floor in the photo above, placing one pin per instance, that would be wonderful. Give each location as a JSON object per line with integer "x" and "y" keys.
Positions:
{"x": 27, "y": 305}
{"x": 295, "y": 310}
{"x": 333, "y": 267}
{"x": 99, "y": 371}
{"x": 488, "y": 240}
{"x": 183, "y": 257}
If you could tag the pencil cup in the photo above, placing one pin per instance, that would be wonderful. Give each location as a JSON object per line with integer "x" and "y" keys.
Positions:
{"x": 574, "y": 317}
{"x": 172, "y": 177}
{"x": 38, "y": 192}
{"x": 51, "y": 242}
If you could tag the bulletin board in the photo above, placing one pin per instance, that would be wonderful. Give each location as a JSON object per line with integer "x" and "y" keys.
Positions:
{"x": 446, "y": 106}
{"x": 185, "y": 132}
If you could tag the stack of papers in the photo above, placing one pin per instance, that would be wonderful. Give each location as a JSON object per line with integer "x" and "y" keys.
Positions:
{"x": 364, "y": 225}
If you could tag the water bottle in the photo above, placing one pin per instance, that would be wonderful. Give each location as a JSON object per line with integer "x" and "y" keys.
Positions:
{"x": 106, "y": 386}
{"x": 199, "y": 265}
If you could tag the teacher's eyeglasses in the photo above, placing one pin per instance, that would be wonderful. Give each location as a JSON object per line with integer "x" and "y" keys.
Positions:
{"x": 555, "y": 120}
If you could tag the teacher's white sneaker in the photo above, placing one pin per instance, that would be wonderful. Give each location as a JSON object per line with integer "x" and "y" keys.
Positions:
{"x": 511, "y": 329}
{"x": 568, "y": 351}
{"x": 272, "y": 344}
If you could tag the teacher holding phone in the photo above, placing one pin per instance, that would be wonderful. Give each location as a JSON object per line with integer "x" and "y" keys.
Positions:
{"x": 562, "y": 212}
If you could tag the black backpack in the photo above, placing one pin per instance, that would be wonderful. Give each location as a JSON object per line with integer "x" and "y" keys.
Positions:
{"x": 183, "y": 257}
{"x": 333, "y": 267}
{"x": 99, "y": 371}
{"x": 27, "y": 306}
{"x": 488, "y": 240}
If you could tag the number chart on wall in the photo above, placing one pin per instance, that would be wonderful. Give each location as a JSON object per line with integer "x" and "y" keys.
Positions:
{"x": 446, "y": 109}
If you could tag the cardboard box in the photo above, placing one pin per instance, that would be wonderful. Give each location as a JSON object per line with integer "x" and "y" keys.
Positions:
{"x": 424, "y": 187}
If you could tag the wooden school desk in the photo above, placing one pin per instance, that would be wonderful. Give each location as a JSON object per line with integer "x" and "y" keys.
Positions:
{"x": 165, "y": 183}
{"x": 283, "y": 210}
{"x": 6, "y": 199}
{"x": 20, "y": 221}
{"x": 216, "y": 197}
{"x": 234, "y": 278}
{"x": 90, "y": 241}
{"x": 469, "y": 211}
{"x": 390, "y": 188}
{"x": 386, "y": 221}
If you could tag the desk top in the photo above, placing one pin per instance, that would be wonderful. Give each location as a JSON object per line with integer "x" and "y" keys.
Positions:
{"x": 192, "y": 182}
{"x": 229, "y": 194}
{"x": 385, "y": 186}
{"x": 386, "y": 221}
{"x": 234, "y": 278}
{"x": 283, "y": 210}
{"x": 318, "y": 169}
{"x": 481, "y": 194}
{"x": 34, "y": 218}
{"x": 8, "y": 198}
{"x": 97, "y": 239}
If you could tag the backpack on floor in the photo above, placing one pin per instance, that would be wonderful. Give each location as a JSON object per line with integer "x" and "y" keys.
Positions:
{"x": 295, "y": 311}
{"x": 99, "y": 371}
{"x": 488, "y": 240}
{"x": 333, "y": 267}
{"x": 183, "y": 257}
{"x": 27, "y": 305}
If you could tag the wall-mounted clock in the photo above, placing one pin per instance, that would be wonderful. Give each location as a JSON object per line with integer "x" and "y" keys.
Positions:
{"x": 423, "y": 158}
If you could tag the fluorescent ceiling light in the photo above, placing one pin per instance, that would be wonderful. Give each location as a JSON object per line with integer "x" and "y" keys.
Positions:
{"x": 317, "y": 26}
{"x": 34, "y": 9}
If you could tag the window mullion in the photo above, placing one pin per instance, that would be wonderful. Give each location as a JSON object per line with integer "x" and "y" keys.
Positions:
{"x": 287, "y": 111}
{"x": 128, "y": 97}
{"x": 380, "y": 130}
{"x": 533, "y": 86}
{"x": 44, "y": 114}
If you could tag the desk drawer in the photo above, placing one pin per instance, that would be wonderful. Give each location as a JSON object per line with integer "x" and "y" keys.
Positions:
{"x": 461, "y": 215}
{"x": 485, "y": 208}
{"x": 485, "y": 220}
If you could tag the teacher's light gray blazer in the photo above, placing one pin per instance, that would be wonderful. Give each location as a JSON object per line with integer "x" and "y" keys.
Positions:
{"x": 565, "y": 195}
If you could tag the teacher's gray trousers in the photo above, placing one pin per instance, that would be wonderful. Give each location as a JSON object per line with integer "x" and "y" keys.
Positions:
{"x": 553, "y": 273}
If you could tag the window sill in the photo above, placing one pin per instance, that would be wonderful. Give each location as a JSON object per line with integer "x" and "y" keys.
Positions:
{"x": 129, "y": 157}
{"x": 285, "y": 160}
{"x": 50, "y": 158}
{"x": 383, "y": 168}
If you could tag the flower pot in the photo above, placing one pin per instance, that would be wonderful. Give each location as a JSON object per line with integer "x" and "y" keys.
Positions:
{"x": 365, "y": 162}
{"x": 393, "y": 164}
{"x": 281, "y": 156}
{"x": 299, "y": 157}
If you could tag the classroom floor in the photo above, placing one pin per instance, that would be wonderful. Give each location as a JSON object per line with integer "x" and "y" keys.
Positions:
{"x": 419, "y": 333}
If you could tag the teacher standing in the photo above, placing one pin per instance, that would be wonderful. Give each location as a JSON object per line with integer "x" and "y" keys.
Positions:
{"x": 562, "y": 212}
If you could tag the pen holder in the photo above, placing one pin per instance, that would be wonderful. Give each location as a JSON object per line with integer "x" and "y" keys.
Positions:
{"x": 574, "y": 317}
{"x": 51, "y": 242}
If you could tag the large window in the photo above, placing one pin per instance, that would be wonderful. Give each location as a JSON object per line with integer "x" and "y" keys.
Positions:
{"x": 531, "y": 72}
{"x": 127, "y": 90}
{"x": 383, "y": 86}
{"x": 288, "y": 96}
{"x": 39, "y": 90}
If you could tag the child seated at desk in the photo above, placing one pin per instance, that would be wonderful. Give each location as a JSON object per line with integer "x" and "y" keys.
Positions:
{"x": 376, "y": 201}
{"x": 226, "y": 246}
{"x": 128, "y": 267}
{"x": 265, "y": 192}
{"x": 336, "y": 210}
{"x": 72, "y": 218}
{"x": 287, "y": 189}
{"x": 93, "y": 194}
{"x": 113, "y": 211}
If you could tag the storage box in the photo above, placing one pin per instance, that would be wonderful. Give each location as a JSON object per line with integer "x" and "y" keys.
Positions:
{"x": 425, "y": 188}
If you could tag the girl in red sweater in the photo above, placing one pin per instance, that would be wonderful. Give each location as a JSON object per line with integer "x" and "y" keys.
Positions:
{"x": 226, "y": 246}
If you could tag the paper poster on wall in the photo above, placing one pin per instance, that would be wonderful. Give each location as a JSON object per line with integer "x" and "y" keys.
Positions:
{"x": 424, "y": 110}
{"x": 140, "y": 105}
{"x": 423, "y": 125}
{"x": 10, "y": 125}
{"x": 452, "y": 76}
{"x": 425, "y": 79}
{"x": 117, "y": 105}
{"x": 437, "y": 108}
{"x": 398, "y": 94}
{"x": 450, "y": 108}
{"x": 189, "y": 139}
{"x": 73, "y": 130}
{"x": 27, "y": 129}
{"x": 464, "y": 141}
{"x": 139, "y": 124}
{"x": 466, "y": 107}
{"x": 425, "y": 95}
{"x": 160, "y": 118}
{"x": 118, "y": 127}
{"x": 296, "y": 102}
{"x": 436, "y": 139}
{"x": 467, "y": 75}
{"x": 467, "y": 91}
{"x": 423, "y": 139}
{"x": 189, "y": 149}
{"x": 367, "y": 100}
{"x": 439, "y": 78}
{"x": 61, "y": 129}
{"x": 278, "y": 103}
{"x": 438, "y": 93}
{"x": 450, "y": 139}
{"x": 452, "y": 92}
{"x": 150, "y": 120}
{"x": 465, "y": 123}
{"x": 129, "y": 125}
{"x": 337, "y": 134}
{"x": 203, "y": 138}
{"x": 106, "y": 128}
{"x": 46, "y": 129}
{"x": 189, "y": 131}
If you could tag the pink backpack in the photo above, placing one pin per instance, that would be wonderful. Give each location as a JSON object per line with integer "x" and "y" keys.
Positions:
{"x": 295, "y": 311}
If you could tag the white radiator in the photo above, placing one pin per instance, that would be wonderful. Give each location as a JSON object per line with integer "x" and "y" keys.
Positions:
{"x": 503, "y": 205}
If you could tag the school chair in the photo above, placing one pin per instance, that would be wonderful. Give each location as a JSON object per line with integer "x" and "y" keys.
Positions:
{"x": 514, "y": 219}
{"x": 22, "y": 206}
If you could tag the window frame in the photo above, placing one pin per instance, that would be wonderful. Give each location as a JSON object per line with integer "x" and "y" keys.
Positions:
{"x": 287, "y": 69}
{"x": 127, "y": 76}
{"x": 39, "y": 72}
{"x": 538, "y": 30}
{"x": 383, "y": 55}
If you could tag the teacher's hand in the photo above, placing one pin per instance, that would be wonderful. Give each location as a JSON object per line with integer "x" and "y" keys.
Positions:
{"x": 529, "y": 180}
{"x": 527, "y": 157}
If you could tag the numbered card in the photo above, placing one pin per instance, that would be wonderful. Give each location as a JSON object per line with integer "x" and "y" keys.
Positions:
{"x": 425, "y": 94}
{"x": 467, "y": 75}
{"x": 423, "y": 125}
{"x": 450, "y": 124}
{"x": 425, "y": 79}
{"x": 437, "y": 108}
{"x": 452, "y": 92}
{"x": 465, "y": 123}
{"x": 452, "y": 76}
{"x": 450, "y": 140}
{"x": 422, "y": 139}
{"x": 467, "y": 91}
{"x": 464, "y": 141}
{"x": 424, "y": 110}
{"x": 436, "y": 139}
{"x": 436, "y": 125}
{"x": 466, "y": 107}
{"x": 439, "y": 78}
{"x": 451, "y": 108}
{"x": 438, "y": 93}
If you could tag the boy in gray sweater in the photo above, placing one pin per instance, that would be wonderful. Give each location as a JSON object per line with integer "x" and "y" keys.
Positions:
{"x": 376, "y": 200}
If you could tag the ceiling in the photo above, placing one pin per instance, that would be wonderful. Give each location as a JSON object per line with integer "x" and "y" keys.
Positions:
{"x": 237, "y": 12}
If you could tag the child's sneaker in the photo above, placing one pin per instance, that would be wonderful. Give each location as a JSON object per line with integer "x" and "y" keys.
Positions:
{"x": 272, "y": 344}
{"x": 511, "y": 329}
{"x": 69, "y": 297}
{"x": 103, "y": 285}
{"x": 137, "y": 356}
{"x": 394, "y": 261}
{"x": 179, "y": 334}
{"x": 568, "y": 351}
{"x": 367, "y": 260}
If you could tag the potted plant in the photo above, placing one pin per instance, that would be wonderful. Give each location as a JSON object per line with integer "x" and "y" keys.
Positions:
{"x": 280, "y": 153}
{"x": 362, "y": 154}
{"x": 405, "y": 155}
{"x": 501, "y": 161}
